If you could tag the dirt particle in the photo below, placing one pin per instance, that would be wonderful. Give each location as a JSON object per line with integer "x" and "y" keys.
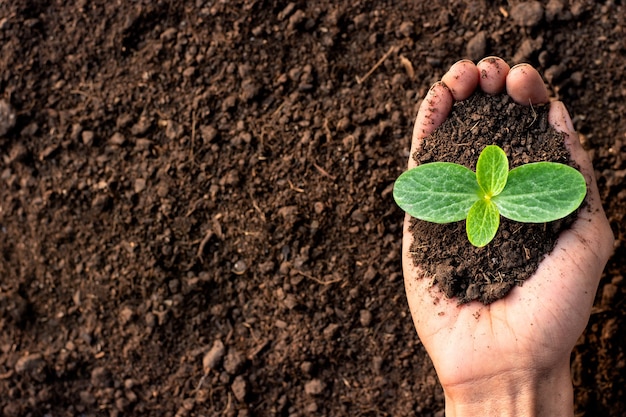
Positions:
{"x": 101, "y": 202}
{"x": 286, "y": 12}
{"x": 48, "y": 152}
{"x": 142, "y": 126}
{"x": 174, "y": 285}
{"x": 18, "y": 152}
{"x": 610, "y": 329}
{"x": 117, "y": 139}
{"x": 150, "y": 320}
{"x": 553, "y": 9}
{"x": 189, "y": 72}
{"x": 554, "y": 72}
{"x": 87, "y": 137}
{"x": 477, "y": 46}
{"x": 208, "y": 133}
{"x": 406, "y": 29}
{"x": 123, "y": 120}
{"x": 314, "y": 387}
{"x": 214, "y": 356}
{"x": 527, "y": 14}
{"x": 330, "y": 332}
{"x": 527, "y": 48}
{"x": 240, "y": 267}
{"x": 343, "y": 124}
{"x": 291, "y": 301}
{"x": 229, "y": 103}
{"x": 87, "y": 398}
{"x": 168, "y": 34}
{"x": 126, "y": 315}
{"x": 31, "y": 129}
{"x": 249, "y": 90}
{"x": 7, "y": 117}
{"x": 296, "y": 19}
{"x": 365, "y": 318}
{"x": 239, "y": 388}
{"x": 609, "y": 291}
{"x": 101, "y": 377}
{"x": 361, "y": 20}
{"x": 29, "y": 363}
{"x": 233, "y": 362}
{"x": 140, "y": 185}
{"x": 173, "y": 130}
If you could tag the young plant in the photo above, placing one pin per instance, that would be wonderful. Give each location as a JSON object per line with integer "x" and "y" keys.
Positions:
{"x": 444, "y": 192}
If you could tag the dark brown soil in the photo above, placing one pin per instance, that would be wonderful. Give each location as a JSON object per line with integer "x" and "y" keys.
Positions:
{"x": 182, "y": 176}
{"x": 442, "y": 250}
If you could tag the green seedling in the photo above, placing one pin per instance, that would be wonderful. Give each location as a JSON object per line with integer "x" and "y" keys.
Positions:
{"x": 444, "y": 192}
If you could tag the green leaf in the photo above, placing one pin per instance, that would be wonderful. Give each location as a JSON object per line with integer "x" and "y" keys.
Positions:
{"x": 482, "y": 222}
{"x": 541, "y": 192}
{"x": 438, "y": 192}
{"x": 491, "y": 170}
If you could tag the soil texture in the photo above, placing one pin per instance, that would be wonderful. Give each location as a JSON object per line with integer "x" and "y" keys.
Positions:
{"x": 442, "y": 250}
{"x": 196, "y": 215}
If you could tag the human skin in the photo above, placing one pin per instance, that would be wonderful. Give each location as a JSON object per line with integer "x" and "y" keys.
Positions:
{"x": 511, "y": 357}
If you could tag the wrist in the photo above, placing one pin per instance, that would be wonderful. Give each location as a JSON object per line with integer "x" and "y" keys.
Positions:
{"x": 529, "y": 393}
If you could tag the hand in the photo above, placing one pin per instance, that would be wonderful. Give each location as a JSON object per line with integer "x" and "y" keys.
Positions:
{"x": 510, "y": 357}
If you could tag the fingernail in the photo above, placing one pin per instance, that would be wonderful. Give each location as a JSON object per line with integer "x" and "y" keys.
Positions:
{"x": 438, "y": 83}
{"x": 490, "y": 59}
{"x": 523, "y": 64}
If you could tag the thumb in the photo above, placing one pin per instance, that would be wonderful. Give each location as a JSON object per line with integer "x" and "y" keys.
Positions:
{"x": 592, "y": 227}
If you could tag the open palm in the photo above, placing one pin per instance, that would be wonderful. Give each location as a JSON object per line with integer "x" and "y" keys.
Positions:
{"x": 535, "y": 326}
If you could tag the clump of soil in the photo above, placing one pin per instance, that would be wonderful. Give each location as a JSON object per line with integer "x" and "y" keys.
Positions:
{"x": 442, "y": 250}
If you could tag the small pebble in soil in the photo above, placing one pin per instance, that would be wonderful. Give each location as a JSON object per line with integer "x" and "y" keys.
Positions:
{"x": 365, "y": 318}
{"x": 314, "y": 387}
{"x": 126, "y": 314}
{"x": 527, "y": 14}
{"x": 477, "y": 46}
{"x": 208, "y": 134}
{"x": 306, "y": 367}
{"x": 240, "y": 267}
{"x": 406, "y": 29}
{"x": 87, "y": 137}
{"x": 117, "y": 139}
{"x": 239, "y": 388}
{"x": 233, "y": 362}
{"x": 330, "y": 332}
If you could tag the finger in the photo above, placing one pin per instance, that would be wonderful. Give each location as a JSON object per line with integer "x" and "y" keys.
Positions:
{"x": 432, "y": 112}
{"x": 492, "y": 71}
{"x": 525, "y": 86}
{"x": 461, "y": 79}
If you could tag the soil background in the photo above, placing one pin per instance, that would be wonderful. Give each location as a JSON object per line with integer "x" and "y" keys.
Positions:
{"x": 195, "y": 200}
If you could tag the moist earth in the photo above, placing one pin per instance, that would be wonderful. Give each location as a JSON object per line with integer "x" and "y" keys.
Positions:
{"x": 443, "y": 251}
{"x": 196, "y": 215}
